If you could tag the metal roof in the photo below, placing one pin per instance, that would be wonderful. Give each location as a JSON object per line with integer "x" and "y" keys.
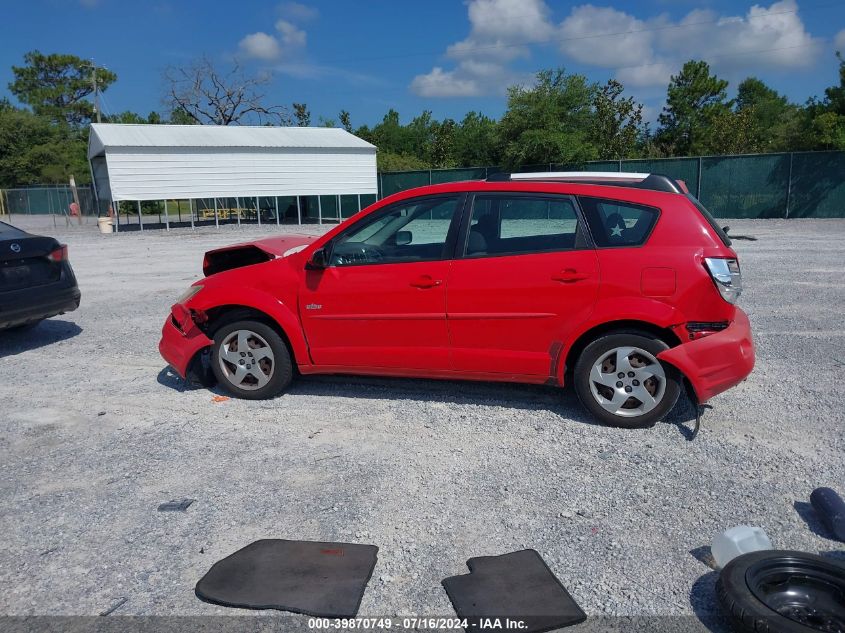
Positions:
{"x": 106, "y": 136}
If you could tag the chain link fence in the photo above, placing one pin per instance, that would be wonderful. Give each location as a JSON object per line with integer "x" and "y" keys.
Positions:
{"x": 790, "y": 185}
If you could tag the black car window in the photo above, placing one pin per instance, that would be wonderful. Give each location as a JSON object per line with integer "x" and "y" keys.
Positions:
{"x": 412, "y": 232}
{"x": 617, "y": 223}
{"x": 502, "y": 224}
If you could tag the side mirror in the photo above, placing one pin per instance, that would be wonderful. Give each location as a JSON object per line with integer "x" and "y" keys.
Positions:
{"x": 403, "y": 238}
{"x": 319, "y": 260}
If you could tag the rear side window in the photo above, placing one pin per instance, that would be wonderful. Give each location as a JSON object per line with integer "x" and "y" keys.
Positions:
{"x": 616, "y": 223}
{"x": 518, "y": 225}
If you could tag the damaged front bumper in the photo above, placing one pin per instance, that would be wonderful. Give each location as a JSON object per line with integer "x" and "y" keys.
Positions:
{"x": 716, "y": 362}
{"x": 181, "y": 339}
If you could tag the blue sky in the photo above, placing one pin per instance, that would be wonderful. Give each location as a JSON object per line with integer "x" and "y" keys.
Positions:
{"x": 446, "y": 56}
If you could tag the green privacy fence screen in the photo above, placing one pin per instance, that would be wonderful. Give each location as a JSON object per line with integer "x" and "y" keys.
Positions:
{"x": 790, "y": 185}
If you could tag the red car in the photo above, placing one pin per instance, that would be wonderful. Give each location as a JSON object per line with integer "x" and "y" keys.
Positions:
{"x": 622, "y": 283}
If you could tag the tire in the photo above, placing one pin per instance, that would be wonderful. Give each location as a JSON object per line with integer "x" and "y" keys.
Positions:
{"x": 644, "y": 394}
{"x": 778, "y": 591}
{"x": 263, "y": 374}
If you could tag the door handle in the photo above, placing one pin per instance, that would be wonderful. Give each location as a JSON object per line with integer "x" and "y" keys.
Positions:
{"x": 569, "y": 276}
{"x": 426, "y": 282}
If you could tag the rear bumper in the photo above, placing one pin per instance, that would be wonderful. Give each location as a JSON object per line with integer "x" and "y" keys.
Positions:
{"x": 179, "y": 345}
{"x": 19, "y": 307}
{"x": 717, "y": 362}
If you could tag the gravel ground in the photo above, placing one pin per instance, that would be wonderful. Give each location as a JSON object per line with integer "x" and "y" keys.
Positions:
{"x": 95, "y": 433}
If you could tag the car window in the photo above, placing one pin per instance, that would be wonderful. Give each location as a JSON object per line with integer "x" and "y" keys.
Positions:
{"x": 515, "y": 225}
{"x": 411, "y": 232}
{"x": 616, "y": 223}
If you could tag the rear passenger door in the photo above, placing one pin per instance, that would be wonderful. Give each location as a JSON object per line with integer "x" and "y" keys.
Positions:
{"x": 525, "y": 274}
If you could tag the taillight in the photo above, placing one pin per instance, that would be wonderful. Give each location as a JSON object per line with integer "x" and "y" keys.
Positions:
{"x": 725, "y": 274}
{"x": 58, "y": 255}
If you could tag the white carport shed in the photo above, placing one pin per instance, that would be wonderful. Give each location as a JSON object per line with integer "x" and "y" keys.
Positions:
{"x": 231, "y": 173}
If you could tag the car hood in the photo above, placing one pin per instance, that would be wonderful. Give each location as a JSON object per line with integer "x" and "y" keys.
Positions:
{"x": 255, "y": 252}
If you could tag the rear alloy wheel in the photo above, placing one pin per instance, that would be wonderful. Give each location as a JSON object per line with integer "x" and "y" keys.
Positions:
{"x": 784, "y": 592}
{"x": 251, "y": 360}
{"x": 619, "y": 379}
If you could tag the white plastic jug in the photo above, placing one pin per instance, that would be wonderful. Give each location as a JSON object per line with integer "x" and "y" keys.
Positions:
{"x": 738, "y": 540}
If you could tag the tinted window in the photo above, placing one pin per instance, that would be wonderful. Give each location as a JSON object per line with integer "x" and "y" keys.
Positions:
{"x": 615, "y": 223}
{"x": 411, "y": 232}
{"x": 505, "y": 225}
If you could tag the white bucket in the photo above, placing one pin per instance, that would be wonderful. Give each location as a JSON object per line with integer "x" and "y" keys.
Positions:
{"x": 737, "y": 541}
{"x": 106, "y": 225}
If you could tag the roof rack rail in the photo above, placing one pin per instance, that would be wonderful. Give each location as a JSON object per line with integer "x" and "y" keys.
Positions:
{"x": 654, "y": 182}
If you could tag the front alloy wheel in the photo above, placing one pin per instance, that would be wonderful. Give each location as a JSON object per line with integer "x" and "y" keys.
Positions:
{"x": 251, "y": 360}
{"x": 619, "y": 379}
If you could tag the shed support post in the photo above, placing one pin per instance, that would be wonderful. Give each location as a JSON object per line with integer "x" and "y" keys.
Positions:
{"x": 339, "y": 212}
{"x": 191, "y": 210}
{"x": 216, "y": 220}
{"x": 257, "y": 211}
{"x": 166, "y": 216}
{"x": 140, "y": 219}
{"x": 116, "y": 210}
{"x": 319, "y": 211}
{"x": 276, "y": 198}
{"x": 359, "y": 203}
{"x": 298, "y": 211}
{"x": 238, "y": 209}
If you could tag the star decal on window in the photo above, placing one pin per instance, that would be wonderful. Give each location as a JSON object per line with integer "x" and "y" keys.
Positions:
{"x": 616, "y": 231}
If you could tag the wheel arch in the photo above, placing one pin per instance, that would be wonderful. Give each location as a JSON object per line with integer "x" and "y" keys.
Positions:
{"x": 623, "y": 325}
{"x": 228, "y": 313}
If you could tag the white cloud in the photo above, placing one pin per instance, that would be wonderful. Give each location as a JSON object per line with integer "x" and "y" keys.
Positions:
{"x": 773, "y": 37}
{"x": 643, "y": 75}
{"x": 292, "y": 36}
{"x": 441, "y": 83}
{"x": 500, "y": 31}
{"x": 645, "y": 52}
{"x": 298, "y": 11}
{"x": 267, "y": 47}
{"x": 839, "y": 41}
{"x": 621, "y": 37}
{"x": 642, "y": 51}
{"x": 260, "y": 46}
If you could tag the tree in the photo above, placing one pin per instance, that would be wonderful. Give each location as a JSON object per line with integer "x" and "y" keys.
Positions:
{"x": 302, "y": 114}
{"x": 440, "y": 150}
{"x": 549, "y": 122}
{"x": 153, "y": 118}
{"x": 617, "y": 124}
{"x": 773, "y": 120}
{"x": 208, "y": 96}
{"x": 345, "y": 120}
{"x": 823, "y": 122}
{"x": 57, "y": 86}
{"x": 694, "y": 99}
{"x": 34, "y": 150}
{"x": 476, "y": 141}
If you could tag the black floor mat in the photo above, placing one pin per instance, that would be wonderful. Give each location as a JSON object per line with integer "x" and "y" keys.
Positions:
{"x": 518, "y": 586}
{"x": 321, "y": 579}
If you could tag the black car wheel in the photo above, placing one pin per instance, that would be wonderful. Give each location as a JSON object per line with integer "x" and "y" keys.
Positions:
{"x": 778, "y": 591}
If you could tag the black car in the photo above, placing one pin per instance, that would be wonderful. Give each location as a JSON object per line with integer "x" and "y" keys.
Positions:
{"x": 36, "y": 280}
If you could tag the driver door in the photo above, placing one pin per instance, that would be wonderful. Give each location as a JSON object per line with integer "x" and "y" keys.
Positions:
{"x": 381, "y": 301}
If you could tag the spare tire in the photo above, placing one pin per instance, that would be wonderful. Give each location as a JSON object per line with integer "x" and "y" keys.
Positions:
{"x": 777, "y": 591}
